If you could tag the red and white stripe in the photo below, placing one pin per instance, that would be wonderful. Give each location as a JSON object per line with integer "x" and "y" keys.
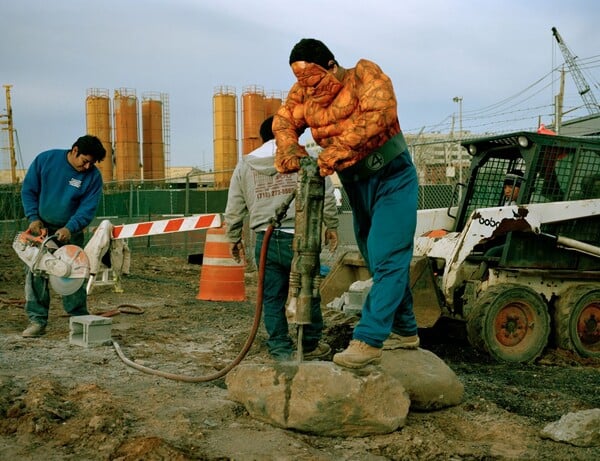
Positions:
{"x": 166, "y": 226}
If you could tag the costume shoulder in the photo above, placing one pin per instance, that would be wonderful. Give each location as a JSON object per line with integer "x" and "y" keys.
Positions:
{"x": 296, "y": 95}
{"x": 365, "y": 68}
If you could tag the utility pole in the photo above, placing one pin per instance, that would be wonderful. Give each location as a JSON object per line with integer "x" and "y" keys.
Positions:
{"x": 558, "y": 103}
{"x": 11, "y": 140}
{"x": 458, "y": 99}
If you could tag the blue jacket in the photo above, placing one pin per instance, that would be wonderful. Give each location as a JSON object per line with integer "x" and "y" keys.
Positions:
{"x": 54, "y": 192}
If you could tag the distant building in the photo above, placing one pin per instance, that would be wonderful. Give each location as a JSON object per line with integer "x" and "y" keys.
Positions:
{"x": 439, "y": 157}
{"x": 181, "y": 176}
{"x": 581, "y": 126}
{"x": 5, "y": 176}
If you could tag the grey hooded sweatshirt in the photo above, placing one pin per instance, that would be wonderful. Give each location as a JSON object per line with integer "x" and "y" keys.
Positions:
{"x": 257, "y": 190}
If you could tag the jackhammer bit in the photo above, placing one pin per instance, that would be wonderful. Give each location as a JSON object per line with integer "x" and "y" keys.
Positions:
{"x": 305, "y": 278}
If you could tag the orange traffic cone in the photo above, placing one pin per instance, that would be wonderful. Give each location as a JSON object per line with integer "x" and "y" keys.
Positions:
{"x": 221, "y": 277}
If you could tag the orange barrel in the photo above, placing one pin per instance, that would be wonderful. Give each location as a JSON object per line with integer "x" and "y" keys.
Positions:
{"x": 221, "y": 277}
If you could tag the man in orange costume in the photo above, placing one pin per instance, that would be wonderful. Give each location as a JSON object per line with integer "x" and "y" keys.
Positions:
{"x": 352, "y": 115}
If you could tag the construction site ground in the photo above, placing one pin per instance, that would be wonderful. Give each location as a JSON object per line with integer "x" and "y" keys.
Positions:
{"x": 61, "y": 401}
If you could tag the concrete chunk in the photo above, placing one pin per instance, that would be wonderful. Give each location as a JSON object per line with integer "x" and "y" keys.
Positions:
{"x": 90, "y": 330}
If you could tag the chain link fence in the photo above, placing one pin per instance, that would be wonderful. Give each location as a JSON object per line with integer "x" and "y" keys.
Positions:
{"x": 134, "y": 201}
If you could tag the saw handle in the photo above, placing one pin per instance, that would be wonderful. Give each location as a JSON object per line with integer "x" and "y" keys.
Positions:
{"x": 27, "y": 236}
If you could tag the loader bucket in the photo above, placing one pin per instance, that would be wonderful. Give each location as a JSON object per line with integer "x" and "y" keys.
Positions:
{"x": 351, "y": 267}
{"x": 425, "y": 295}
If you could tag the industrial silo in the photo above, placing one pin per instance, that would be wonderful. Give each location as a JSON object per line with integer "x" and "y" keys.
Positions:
{"x": 225, "y": 134}
{"x": 273, "y": 101}
{"x": 253, "y": 114}
{"x": 127, "y": 146}
{"x": 153, "y": 152}
{"x": 97, "y": 110}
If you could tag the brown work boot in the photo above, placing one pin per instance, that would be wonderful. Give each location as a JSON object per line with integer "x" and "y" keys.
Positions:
{"x": 395, "y": 341}
{"x": 320, "y": 352}
{"x": 34, "y": 330}
{"x": 357, "y": 355}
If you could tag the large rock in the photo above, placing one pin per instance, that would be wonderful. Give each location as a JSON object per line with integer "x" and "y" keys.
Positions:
{"x": 581, "y": 428}
{"x": 320, "y": 397}
{"x": 430, "y": 383}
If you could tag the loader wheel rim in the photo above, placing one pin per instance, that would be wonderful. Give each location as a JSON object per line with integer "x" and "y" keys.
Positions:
{"x": 512, "y": 325}
{"x": 510, "y": 322}
{"x": 588, "y": 326}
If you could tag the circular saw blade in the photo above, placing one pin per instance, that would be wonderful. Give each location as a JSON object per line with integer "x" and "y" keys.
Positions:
{"x": 78, "y": 270}
{"x": 65, "y": 285}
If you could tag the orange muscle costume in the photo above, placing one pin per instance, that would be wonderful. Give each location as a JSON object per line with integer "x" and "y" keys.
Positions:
{"x": 358, "y": 115}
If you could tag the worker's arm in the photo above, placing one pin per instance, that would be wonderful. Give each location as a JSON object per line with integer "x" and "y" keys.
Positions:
{"x": 30, "y": 196}
{"x": 288, "y": 126}
{"x": 88, "y": 204}
{"x": 235, "y": 212}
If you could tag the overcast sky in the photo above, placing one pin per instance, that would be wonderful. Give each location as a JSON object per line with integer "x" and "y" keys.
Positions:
{"x": 499, "y": 56}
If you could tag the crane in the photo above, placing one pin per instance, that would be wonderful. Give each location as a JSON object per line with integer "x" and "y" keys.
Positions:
{"x": 589, "y": 100}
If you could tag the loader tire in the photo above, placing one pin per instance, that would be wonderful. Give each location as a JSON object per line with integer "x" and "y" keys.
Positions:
{"x": 577, "y": 320}
{"x": 510, "y": 322}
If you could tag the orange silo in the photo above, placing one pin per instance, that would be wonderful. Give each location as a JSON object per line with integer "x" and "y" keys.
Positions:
{"x": 97, "y": 110}
{"x": 225, "y": 134}
{"x": 127, "y": 145}
{"x": 273, "y": 102}
{"x": 253, "y": 114}
{"x": 153, "y": 152}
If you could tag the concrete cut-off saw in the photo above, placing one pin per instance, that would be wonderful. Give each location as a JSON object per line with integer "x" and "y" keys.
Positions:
{"x": 67, "y": 267}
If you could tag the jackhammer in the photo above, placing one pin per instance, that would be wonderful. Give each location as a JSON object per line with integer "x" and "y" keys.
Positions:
{"x": 305, "y": 277}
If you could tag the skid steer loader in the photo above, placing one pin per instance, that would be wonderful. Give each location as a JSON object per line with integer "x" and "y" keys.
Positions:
{"x": 520, "y": 272}
{"x": 523, "y": 272}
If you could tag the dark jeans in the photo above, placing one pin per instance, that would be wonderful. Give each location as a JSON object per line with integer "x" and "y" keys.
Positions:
{"x": 275, "y": 293}
{"x": 37, "y": 293}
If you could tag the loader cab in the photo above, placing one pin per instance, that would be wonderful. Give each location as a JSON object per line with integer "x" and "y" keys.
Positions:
{"x": 555, "y": 169}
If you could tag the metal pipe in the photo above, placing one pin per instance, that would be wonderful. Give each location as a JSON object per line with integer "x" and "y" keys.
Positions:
{"x": 578, "y": 245}
{"x": 573, "y": 244}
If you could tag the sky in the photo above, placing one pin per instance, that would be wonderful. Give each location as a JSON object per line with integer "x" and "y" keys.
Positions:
{"x": 488, "y": 65}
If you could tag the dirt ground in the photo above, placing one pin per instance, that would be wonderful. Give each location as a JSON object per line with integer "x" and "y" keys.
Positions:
{"x": 60, "y": 401}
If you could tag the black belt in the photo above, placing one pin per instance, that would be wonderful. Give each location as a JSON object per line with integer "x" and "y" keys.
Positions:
{"x": 375, "y": 161}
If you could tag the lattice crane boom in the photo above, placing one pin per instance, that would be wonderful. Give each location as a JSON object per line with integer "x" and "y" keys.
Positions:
{"x": 588, "y": 97}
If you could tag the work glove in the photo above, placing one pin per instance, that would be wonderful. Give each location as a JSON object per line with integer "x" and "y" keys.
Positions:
{"x": 63, "y": 235}
{"x": 287, "y": 164}
{"x": 236, "y": 250}
{"x": 331, "y": 239}
{"x": 36, "y": 227}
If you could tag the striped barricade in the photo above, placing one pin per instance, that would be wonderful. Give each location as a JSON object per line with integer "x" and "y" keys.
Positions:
{"x": 167, "y": 226}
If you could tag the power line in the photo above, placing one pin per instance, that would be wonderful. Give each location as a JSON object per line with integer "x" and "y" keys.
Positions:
{"x": 520, "y": 109}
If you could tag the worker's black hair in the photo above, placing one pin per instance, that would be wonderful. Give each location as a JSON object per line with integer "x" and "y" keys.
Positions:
{"x": 312, "y": 50}
{"x": 266, "y": 129}
{"x": 92, "y": 146}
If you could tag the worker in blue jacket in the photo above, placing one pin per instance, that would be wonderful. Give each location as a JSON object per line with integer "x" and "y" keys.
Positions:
{"x": 60, "y": 195}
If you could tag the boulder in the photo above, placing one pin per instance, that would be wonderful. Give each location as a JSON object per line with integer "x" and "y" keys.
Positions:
{"x": 320, "y": 397}
{"x": 430, "y": 383}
